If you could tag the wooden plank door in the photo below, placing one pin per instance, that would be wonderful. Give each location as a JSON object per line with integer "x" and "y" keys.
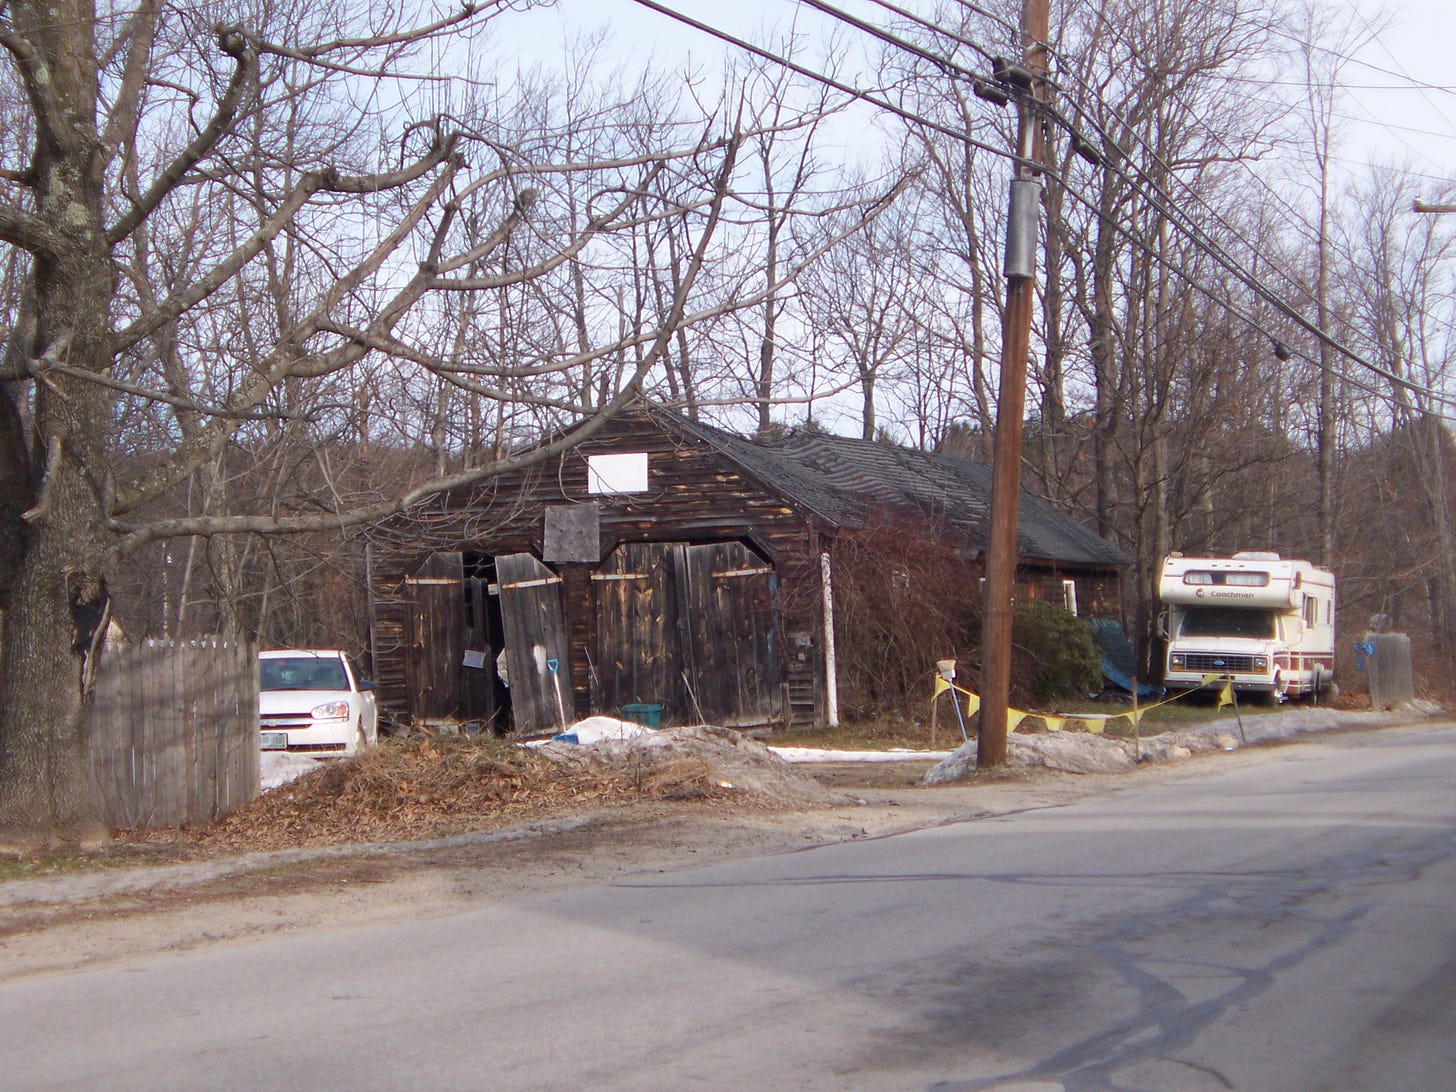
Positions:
{"x": 435, "y": 636}
{"x": 638, "y": 654}
{"x": 730, "y": 630}
{"x": 537, "y": 658}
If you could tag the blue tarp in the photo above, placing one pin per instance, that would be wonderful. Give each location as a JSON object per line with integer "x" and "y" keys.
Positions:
{"x": 1119, "y": 658}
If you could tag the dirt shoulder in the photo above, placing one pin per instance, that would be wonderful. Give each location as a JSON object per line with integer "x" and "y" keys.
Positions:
{"x": 103, "y": 917}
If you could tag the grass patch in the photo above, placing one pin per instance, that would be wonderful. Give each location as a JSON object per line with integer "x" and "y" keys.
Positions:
{"x": 53, "y": 863}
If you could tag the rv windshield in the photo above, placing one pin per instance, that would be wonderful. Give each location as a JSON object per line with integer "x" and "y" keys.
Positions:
{"x": 1227, "y": 622}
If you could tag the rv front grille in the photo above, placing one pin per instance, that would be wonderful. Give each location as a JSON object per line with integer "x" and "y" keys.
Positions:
{"x": 1215, "y": 661}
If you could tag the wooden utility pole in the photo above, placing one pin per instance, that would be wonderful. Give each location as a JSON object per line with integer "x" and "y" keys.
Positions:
{"x": 1020, "y": 268}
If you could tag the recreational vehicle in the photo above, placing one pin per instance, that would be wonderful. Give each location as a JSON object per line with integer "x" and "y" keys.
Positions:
{"x": 1262, "y": 622}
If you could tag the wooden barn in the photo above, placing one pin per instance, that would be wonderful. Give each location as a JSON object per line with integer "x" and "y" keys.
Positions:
{"x": 666, "y": 563}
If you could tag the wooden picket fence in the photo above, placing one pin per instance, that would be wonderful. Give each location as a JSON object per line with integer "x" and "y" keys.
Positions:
{"x": 174, "y": 732}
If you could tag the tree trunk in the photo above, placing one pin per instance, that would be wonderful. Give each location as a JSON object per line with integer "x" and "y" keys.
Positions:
{"x": 867, "y": 398}
{"x": 1104, "y": 363}
{"x": 57, "y": 598}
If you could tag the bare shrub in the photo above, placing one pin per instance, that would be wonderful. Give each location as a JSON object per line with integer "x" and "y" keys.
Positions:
{"x": 903, "y": 599}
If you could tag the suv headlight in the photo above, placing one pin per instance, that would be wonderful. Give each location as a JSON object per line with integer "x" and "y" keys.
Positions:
{"x": 1261, "y": 663}
{"x": 1176, "y": 660}
{"x": 331, "y": 710}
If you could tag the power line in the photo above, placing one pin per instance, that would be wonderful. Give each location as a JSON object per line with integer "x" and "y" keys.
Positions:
{"x": 1162, "y": 204}
{"x": 936, "y": 28}
{"x": 827, "y": 81}
{"x": 1196, "y": 234}
{"x": 1157, "y": 199}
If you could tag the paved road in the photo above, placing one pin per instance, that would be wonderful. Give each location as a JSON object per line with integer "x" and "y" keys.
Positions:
{"x": 1286, "y": 922}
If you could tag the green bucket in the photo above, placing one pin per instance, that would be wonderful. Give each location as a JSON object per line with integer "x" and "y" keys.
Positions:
{"x": 647, "y": 714}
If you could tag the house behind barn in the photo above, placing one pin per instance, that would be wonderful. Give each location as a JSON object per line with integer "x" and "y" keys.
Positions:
{"x": 667, "y": 563}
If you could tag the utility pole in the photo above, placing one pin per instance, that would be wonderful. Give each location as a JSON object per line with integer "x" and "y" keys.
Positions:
{"x": 1421, "y": 206}
{"x": 1020, "y": 268}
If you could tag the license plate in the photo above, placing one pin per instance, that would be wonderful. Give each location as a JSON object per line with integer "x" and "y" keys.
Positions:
{"x": 275, "y": 741}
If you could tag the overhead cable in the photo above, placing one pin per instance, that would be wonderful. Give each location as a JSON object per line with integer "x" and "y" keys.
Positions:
{"x": 1157, "y": 199}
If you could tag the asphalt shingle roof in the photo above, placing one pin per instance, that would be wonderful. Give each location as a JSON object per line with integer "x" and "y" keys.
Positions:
{"x": 844, "y": 481}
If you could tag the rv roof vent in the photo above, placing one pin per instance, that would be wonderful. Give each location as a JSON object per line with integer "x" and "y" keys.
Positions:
{"x": 1256, "y": 555}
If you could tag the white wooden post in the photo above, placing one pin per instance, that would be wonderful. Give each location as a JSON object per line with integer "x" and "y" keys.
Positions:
{"x": 831, "y": 667}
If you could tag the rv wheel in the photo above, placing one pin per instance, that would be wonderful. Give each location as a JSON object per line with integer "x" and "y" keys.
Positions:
{"x": 1275, "y": 695}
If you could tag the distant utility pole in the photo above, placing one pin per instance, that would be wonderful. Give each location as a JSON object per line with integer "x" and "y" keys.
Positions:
{"x": 1020, "y": 268}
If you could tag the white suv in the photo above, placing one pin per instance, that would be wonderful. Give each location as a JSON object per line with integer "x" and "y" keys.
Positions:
{"x": 315, "y": 702}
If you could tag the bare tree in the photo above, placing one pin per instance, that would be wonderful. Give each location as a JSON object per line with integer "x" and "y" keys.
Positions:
{"x": 1326, "y": 39}
{"x": 863, "y": 297}
{"x": 1398, "y": 287}
{"x": 226, "y": 259}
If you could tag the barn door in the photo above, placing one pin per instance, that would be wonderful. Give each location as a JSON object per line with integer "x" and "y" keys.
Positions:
{"x": 435, "y": 634}
{"x": 537, "y": 659}
{"x": 691, "y": 627}
{"x": 730, "y": 634}
{"x": 639, "y": 655}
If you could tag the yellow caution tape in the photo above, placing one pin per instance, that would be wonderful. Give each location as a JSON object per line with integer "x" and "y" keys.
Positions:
{"x": 1096, "y": 722}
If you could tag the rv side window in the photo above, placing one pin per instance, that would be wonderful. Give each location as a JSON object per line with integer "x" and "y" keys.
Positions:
{"x": 1311, "y": 612}
{"x": 1241, "y": 580}
{"x": 1227, "y": 622}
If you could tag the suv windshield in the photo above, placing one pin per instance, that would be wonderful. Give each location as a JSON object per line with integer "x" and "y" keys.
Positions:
{"x": 302, "y": 673}
{"x": 1228, "y": 622}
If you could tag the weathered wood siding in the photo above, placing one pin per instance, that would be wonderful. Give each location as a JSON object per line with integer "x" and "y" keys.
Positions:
{"x": 174, "y": 732}
{"x": 1099, "y": 594}
{"x": 637, "y": 619}
{"x": 731, "y": 635}
{"x": 691, "y": 627}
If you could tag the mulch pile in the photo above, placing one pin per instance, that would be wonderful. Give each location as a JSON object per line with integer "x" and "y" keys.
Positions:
{"x": 437, "y": 786}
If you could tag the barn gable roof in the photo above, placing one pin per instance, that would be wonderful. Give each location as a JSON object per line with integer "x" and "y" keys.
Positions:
{"x": 845, "y": 481}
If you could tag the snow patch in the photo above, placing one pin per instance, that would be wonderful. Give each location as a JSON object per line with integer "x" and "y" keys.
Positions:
{"x": 894, "y": 754}
{"x": 737, "y": 761}
{"x": 277, "y": 768}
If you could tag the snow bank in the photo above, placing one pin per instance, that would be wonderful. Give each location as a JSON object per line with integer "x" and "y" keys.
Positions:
{"x": 1075, "y": 752}
{"x": 1070, "y": 752}
{"x": 737, "y": 761}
